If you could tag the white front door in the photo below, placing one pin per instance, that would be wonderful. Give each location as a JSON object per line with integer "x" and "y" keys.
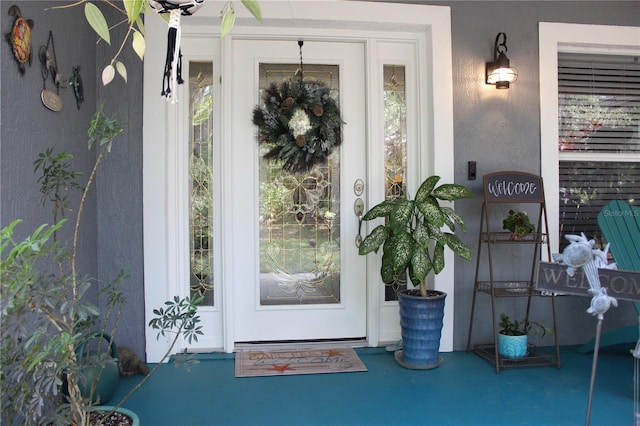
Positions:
{"x": 296, "y": 270}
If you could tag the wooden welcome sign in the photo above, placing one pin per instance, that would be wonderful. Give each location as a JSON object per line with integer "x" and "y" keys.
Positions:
{"x": 513, "y": 187}
{"x": 553, "y": 277}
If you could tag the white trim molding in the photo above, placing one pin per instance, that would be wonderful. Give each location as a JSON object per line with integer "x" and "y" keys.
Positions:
{"x": 429, "y": 27}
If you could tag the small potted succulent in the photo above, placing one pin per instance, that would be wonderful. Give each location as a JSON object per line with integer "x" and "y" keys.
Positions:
{"x": 518, "y": 223}
{"x": 513, "y": 336}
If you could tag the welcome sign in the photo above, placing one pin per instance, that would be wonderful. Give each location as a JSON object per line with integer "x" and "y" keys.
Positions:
{"x": 513, "y": 187}
{"x": 553, "y": 277}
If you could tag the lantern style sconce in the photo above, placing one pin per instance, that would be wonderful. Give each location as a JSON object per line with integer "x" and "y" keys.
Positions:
{"x": 499, "y": 72}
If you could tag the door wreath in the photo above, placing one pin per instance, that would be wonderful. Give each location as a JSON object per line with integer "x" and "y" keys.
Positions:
{"x": 299, "y": 122}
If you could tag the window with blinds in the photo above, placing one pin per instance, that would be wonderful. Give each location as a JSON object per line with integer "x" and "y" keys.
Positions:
{"x": 599, "y": 143}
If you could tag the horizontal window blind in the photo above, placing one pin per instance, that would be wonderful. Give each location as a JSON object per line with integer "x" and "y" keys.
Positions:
{"x": 586, "y": 187}
{"x": 599, "y": 112}
{"x": 599, "y": 102}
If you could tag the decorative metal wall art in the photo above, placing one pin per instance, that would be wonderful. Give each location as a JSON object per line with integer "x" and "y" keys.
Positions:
{"x": 49, "y": 66}
{"x": 76, "y": 83}
{"x": 19, "y": 38}
{"x": 299, "y": 121}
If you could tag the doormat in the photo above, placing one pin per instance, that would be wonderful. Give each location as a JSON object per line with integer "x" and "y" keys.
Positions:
{"x": 297, "y": 361}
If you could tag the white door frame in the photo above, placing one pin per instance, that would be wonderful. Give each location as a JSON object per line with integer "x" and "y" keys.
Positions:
{"x": 166, "y": 260}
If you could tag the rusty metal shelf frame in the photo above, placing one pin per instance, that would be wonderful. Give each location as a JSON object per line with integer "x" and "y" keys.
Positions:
{"x": 536, "y": 357}
{"x": 515, "y": 288}
{"x": 508, "y": 288}
{"x": 507, "y": 238}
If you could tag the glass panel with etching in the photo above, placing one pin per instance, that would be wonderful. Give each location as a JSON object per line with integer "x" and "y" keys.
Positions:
{"x": 395, "y": 146}
{"x": 201, "y": 178}
{"x": 299, "y": 215}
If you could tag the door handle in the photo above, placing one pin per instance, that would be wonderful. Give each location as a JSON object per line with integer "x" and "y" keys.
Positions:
{"x": 358, "y": 208}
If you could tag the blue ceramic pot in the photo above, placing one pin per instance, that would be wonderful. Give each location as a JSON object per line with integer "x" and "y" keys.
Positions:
{"x": 421, "y": 325}
{"x": 512, "y": 346}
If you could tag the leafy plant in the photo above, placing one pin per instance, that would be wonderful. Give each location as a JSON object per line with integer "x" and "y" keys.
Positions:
{"x": 518, "y": 223}
{"x": 413, "y": 236}
{"x": 46, "y": 315}
{"x": 178, "y": 318}
{"x": 47, "y": 312}
{"x": 56, "y": 180}
{"x": 132, "y": 14}
{"x": 521, "y": 328}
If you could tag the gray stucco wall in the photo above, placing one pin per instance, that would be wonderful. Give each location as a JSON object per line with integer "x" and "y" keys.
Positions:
{"x": 111, "y": 233}
{"x": 119, "y": 210}
{"x": 499, "y": 130}
{"x": 28, "y": 128}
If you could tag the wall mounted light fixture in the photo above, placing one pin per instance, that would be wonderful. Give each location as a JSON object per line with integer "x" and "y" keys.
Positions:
{"x": 499, "y": 72}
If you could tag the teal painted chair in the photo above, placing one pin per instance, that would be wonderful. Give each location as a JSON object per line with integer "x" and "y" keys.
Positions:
{"x": 620, "y": 226}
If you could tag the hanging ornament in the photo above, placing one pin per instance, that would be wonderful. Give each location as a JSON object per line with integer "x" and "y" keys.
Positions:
{"x": 76, "y": 83}
{"x": 299, "y": 122}
{"x": 19, "y": 38}
{"x": 49, "y": 66}
{"x": 173, "y": 63}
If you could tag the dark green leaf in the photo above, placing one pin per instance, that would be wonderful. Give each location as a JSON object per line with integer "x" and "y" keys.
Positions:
{"x": 420, "y": 265}
{"x": 425, "y": 189}
{"x": 421, "y": 234}
{"x": 438, "y": 258}
{"x": 401, "y": 214}
{"x": 452, "y": 219}
{"x": 457, "y": 246}
{"x": 435, "y": 232}
{"x": 380, "y": 210}
{"x": 374, "y": 240}
{"x": 401, "y": 246}
{"x": 430, "y": 209}
{"x": 451, "y": 192}
{"x": 386, "y": 269}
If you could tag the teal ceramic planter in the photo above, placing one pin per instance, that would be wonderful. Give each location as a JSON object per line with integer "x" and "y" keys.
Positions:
{"x": 135, "y": 420}
{"x": 421, "y": 326}
{"x": 512, "y": 346}
{"x": 98, "y": 381}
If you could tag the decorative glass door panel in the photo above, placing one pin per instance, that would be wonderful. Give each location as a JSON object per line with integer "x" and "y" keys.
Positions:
{"x": 395, "y": 146}
{"x": 304, "y": 278}
{"x": 300, "y": 215}
{"x": 201, "y": 174}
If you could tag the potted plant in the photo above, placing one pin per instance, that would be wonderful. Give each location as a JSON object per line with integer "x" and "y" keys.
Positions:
{"x": 413, "y": 240}
{"x": 513, "y": 336}
{"x": 518, "y": 223}
{"x": 48, "y": 315}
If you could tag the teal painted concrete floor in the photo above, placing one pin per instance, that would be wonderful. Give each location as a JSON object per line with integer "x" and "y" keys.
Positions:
{"x": 464, "y": 390}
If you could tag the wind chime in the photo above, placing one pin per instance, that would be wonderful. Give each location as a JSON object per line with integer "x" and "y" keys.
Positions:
{"x": 299, "y": 122}
{"x": 173, "y": 63}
